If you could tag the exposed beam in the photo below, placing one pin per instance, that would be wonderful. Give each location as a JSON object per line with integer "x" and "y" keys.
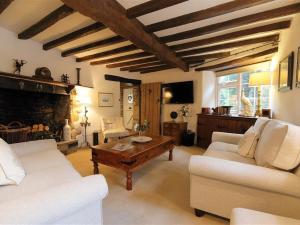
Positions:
{"x": 154, "y": 69}
{"x": 267, "y": 15}
{"x": 93, "y": 28}
{"x": 136, "y": 67}
{"x": 121, "y": 79}
{"x": 46, "y": 22}
{"x": 235, "y": 44}
{"x": 150, "y": 6}
{"x": 207, "y": 56}
{"x": 121, "y": 58}
{"x": 4, "y": 4}
{"x": 238, "y": 60}
{"x": 247, "y": 63}
{"x": 205, "y": 14}
{"x": 113, "y": 15}
{"x": 93, "y": 45}
{"x": 133, "y": 62}
{"x": 233, "y": 35}
{"x": 115, "y": 51}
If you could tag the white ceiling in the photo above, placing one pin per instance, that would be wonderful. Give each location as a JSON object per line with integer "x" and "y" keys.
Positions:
{"x": 21, "y": 14}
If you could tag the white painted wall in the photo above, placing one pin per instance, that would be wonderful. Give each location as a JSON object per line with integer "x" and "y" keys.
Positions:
{"x": 13, "y": 48}
{"x": 285, "y": 105}
{"x": 203, "y": 88}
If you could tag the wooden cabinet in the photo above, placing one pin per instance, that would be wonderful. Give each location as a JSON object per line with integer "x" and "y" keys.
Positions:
{"x": 207, "y": 124}
{"x": 175, "y": 130}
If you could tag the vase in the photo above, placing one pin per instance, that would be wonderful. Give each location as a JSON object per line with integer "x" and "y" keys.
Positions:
{"x": 67, "y": 131}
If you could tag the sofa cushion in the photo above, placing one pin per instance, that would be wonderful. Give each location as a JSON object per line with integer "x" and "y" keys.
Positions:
{"x": 248, "y": 142}
{"x": 226, "y": 151}
{"x": 240, "y": 216}
{"x": 260, "y": 124}
{"x": 269, "y": 143}
{"x": 288, "y": 156}
{"x": 12, "y": 171}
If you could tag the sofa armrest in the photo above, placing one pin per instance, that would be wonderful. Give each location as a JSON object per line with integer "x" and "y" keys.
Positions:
{"x": 55, "y": 203}
{"x": 229, "y": 138}
{"x": 252, "y": 176}
{"x": 29, "y": 147}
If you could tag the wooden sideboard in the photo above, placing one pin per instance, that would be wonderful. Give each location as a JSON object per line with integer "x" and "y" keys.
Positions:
{"x": 175, "y": 130}
{"x": 208, "y": 123}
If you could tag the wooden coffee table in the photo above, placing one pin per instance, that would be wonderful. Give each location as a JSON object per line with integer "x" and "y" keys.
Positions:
{"x": 132, "y": 159}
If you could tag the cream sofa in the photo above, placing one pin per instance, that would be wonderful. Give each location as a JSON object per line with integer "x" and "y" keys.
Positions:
{"x": 240, "y": 216}
{"x": 52, "y": 191}
{"x": 222, "y": 179}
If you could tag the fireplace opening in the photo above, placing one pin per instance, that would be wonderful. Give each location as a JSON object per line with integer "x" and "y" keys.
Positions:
{"x": 44, "y": 113}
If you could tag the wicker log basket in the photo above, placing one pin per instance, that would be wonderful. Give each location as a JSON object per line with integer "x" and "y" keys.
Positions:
{"x": 14, "y": 132}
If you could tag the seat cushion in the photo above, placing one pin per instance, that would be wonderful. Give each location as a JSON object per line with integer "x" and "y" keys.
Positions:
{"x": 226, "y": 151}
{"x": 241, "y": 216}
{"x": 39, "y": 181}
{"x": 118, "y": 132}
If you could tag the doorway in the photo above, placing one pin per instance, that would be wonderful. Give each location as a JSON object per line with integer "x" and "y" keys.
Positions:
{"x": 130, "y": 104}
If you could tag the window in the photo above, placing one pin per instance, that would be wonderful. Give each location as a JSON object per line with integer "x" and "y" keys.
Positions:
{"x": 230, "y": 88}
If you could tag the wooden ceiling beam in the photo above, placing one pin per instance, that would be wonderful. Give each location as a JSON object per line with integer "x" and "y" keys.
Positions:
{"x": 121, "y": 58}
{"x": 113, "y": 15}
{"x": 154, "y": 69}
{"x": 258, "y": 17}
{"x": 94, "y": 45}
{"x": 207, "y": 56}
{"x": 46, "y": 22}
{"x": 246, "y": 63}
{"x": 235, "y": 44}
{"x": 127, "y": 48}
{"x": 133, "y": 62}
{"x": 218, "y": 10}
{"x": 239, "y": 60}
{"x": 150, "y": 6}
{"x": 93, "y": 28}
{"x": 136, "y": 67}
{"x": 233, "y": 35}
{"x": 4, "y": 4}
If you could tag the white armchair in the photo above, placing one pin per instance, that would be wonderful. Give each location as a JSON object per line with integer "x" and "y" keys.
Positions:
{"x": 113, "y": 128}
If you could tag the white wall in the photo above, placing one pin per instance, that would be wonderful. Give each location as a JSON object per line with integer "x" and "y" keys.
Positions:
{"x": 285, "y": 105}
{"x": 200, "y": 87}
{"x": 32, "y": 52}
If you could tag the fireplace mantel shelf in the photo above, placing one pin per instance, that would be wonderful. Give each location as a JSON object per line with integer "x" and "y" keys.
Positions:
{"x": 26, "y": 83}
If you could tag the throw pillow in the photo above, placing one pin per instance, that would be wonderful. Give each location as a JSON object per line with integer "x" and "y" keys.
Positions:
{"x": 260, "y": 124}
{"x": 247, "y": 144}
{"x": 11, "y": 170}
{"x": 288, "y": 156}
{"x": 269, "y": 143}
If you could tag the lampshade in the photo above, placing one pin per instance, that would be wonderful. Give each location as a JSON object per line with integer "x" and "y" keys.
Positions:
{"x": 260, "y": 78}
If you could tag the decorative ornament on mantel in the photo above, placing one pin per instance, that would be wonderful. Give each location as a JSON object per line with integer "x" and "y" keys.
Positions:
{"x": 43, "y": 73}
{"x": 18, "y": 65}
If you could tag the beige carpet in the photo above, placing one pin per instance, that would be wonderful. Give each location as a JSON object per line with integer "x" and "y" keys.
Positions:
{"x": 160, "y": 192}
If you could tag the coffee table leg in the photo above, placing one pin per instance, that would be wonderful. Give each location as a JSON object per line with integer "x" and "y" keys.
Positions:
{"x": 171, "y": 155}
{"x": 129, "y": 180}
{"x": 96, "y": 168}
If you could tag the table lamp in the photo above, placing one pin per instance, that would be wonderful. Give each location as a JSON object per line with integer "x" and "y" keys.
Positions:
{"x": 258, "y": 79}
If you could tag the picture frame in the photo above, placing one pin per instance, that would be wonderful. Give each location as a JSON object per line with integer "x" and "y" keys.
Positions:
{"x": 105, "y": 99}
{"x": 286, "y": 69}
{"x": 298, "y": 69}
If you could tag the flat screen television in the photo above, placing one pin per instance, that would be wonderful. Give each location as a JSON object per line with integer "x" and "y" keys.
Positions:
{"x": 178, "y": 93}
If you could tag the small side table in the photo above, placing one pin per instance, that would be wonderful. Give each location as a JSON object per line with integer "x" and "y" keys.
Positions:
{"x": 67, "y": 147}
{"x": 175, "y": 129}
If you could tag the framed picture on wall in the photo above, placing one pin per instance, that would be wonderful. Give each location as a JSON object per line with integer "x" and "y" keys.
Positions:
{"x": 298, "y": 69}
{"x": 105, "y": 99}
{"x": 286, "y": 67}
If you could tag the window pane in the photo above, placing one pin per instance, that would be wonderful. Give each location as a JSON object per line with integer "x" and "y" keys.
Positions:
{"x": 228, "y": 79}
{"x": 228, "y": 97}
